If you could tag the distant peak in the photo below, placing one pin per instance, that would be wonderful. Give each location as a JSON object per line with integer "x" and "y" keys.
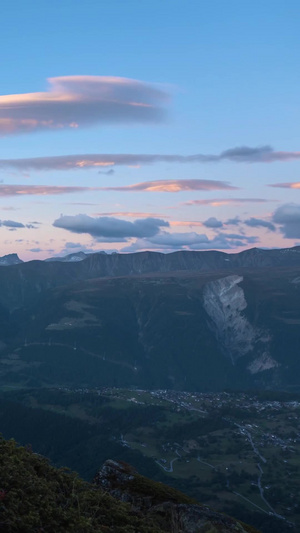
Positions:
{"x": 10, "y": 259}
{"x": 74, "y": 257}
{"x": 70, "y": 258}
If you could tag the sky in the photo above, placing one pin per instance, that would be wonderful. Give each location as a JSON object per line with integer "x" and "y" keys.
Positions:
{"x": 132, "y": 125}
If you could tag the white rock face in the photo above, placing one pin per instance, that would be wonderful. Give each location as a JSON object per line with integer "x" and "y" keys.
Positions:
{"x": 296, "y": 281}
{"x": 71, "y": 258}
{"x": 224, "y": 302}
{"x": 263, "y": 362}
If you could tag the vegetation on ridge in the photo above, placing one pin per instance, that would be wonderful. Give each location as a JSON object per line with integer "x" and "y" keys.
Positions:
{"x": 38, "y": 498}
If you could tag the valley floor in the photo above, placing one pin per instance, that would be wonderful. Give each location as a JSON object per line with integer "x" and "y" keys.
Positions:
{"x": 237, "y": 452}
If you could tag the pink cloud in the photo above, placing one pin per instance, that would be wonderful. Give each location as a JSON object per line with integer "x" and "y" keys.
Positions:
{"x": 185, "y": 223}
{"x": 74, "y": 101}
{"x": 173, "y": 186}
{"x": 288, "y": 185}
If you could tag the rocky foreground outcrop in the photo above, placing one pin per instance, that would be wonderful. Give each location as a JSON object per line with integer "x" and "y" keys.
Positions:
{"x": 171, "y": 510}
{"x": 38, "y": 498}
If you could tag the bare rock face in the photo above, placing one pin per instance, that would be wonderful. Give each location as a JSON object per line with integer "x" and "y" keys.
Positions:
{"x": 224, "y": 302}
{"x": 114, "y": 477}
{"x": 165, "y": 507}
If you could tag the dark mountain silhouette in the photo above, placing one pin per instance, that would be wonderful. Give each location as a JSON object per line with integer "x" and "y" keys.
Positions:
{"x": 187, "y": 320}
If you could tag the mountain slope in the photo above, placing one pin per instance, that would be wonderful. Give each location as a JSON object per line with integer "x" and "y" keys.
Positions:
{"x": 180, "y": 323}
{"x": 22, "y": 284}
{"x": 36, "y": 497}
{"x": 184, "y": 331}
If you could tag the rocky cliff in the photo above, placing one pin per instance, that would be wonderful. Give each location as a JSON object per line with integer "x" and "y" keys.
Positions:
{"x": 170, "y": 510}
{"x": 225, "y": 303}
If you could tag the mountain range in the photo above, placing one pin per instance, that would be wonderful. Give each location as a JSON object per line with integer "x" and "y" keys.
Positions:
{"x": 185, "y": 320}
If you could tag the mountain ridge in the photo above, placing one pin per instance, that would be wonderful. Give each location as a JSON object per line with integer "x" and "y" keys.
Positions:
{"x": 10, "y": 259}
{"x": 23, "y": 283}
{"x": 186, "y": 321}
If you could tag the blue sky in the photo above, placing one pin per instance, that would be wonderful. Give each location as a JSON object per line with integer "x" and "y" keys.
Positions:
{"x": 82, "y": 80}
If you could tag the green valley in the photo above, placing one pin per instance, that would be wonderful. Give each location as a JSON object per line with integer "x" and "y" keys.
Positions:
{"x": 237, "y": 452}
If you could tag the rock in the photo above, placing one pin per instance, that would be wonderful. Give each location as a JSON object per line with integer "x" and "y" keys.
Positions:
{"x": 169, "y": 509}
{"x": 224, "y": 301}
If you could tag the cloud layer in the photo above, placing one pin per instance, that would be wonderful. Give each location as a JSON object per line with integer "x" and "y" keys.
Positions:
{"x": 40, "y": 190}
{"x": 173, "y": 186}
{"x": 190, "y": 241}
{"x": 74, "y": 101}
{"x": 109, "y": 229}
{"x": 259, "y": 223}
{"x": 244, "y": 154}
{"x": 149, "y": 234}
{"x": 287, "y": 185}
{"x": 259, "y": 154}
{"x": 217, "y": 202}
{"x": 213, "y": 223}
{"x": 288, "y": 217}
{"x": 12, "y": 224}
{"x": 130, "y": 214}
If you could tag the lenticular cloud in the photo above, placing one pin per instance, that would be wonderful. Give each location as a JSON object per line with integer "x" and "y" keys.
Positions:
{"x": 74, "y": 101}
